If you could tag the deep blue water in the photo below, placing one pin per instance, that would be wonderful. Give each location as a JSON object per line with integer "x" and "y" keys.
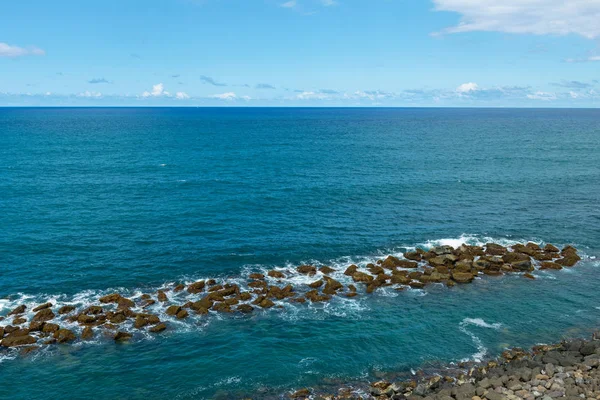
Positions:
{"x": 134, "y": 199}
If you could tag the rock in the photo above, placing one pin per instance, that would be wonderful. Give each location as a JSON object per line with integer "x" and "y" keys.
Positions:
{"x": 182, "y": 314}
{"x": 326, "y": 270}
{"x": 332, "y": 286}
{"x": 494, "y": 249}
{"x": 162, "y": 296}
{"x": 441, "y": 250}
{"x": 12, "y": 341}
{"x": 158, "y": 328}
{"x": 266, "y": 303}
{"x": 173, "y": 310}
{"x": 256, "y": 276}
{"x": 19, "y": 321}
{"x": 196, "y": 287}
{"x": 42, "y": 306}
{"x": 65, "y": 309}
{"x": 19, "y": 310}
{"x": 413, "y": 256}
{"x": 551, "y": 249}
{"x": 462, "y": 277}
{"x": 514, "y": 257}
{"x": 351, "y": 270}
{"x": 64, "y": 335}
{"x": 117, "y": 299}
{"x": 45, "y": 314}
{"x": 94, "y": 310}
{"x": 179, "y": 288}
{"x": 87, "y": 333}
{"x": 522, "y": 265}
{"x": 528, "y": 276}
{"x": 362, "y": 277}
{"x": 316, "y": 284}
{"x": 416, "y": 285}
{"x": 302, "y": 393}
{"x": 276, "y": 274}
{"x": 245, "y": 308}
{"x": 550, "y": 265}
{"x": 568, "y": 260}
{"x": 50, "y": 328}
{"x": 314, "y": 296}
{"x": 122, "y": 336}
{"x": 307, "y": 270}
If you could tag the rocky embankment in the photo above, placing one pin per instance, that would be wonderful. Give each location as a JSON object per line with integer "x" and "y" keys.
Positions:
{"x": 118, "y": 317}
{"x": 569, "y": 370}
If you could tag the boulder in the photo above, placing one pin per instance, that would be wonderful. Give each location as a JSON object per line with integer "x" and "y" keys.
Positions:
{"x": 522, "y": 265}
{"x": 416, "y": 285}
{"x": 266, "y": 303}
{"x": 173, "y": 310}
{"x": 182, "y": 314}
{"x": 12, "y": 341}
{"x": 551, "y": 249}
{"x": 256, "y": 276}
{"x": 245, "y": 308}
{"x": 375, "y": 269}
{"x": 179, "y": 288}
{"x": 19, "y": 321}
{"x": 314, "y": 296}
{"x": 568, "y": 260}
{"x": 332, "y": 286}
{"x": 550, "y": 265}
{"x": 514, "y": 257}
{"x": 42, "y": 306}
{"x": 519, "y": 248}
{"x": 462, "y": 277}
{"x": 93, "y": 310}
{"x": 300, "y": 394}
{"x": 316, "y": 284}
{"x": 362, "y": 277}
{"x": 64, "y": 335}
{"x": 158, "y": 328}
{"x": 441, "y": 250}
{"x": 50, "y": 328}
{"x": 413, "y": 256}
{"x": 45, "y": 314}
{"x": 18, "y": 310}
{"x": 162, "y": 296}
{"x": 326, "y": 270}
{"x": 196, "y": 287}
{"x": 122, "y": 336}
{"x": 65, "y": 309}
{"x": 351, "y": 270}
{"x": 494, "y": 249}
{"x": 276, "y": 274}
{"x": 307, "y": 270}
{"x": 87, "y": 333}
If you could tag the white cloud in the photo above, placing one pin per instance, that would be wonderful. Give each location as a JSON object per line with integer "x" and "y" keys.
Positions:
{"x": 466, "y": 88}
{"x": 89, "y": 94}
{"x": 158, "y": 90}
{"x": 587, "y": 59}
{"x": 328, "y": 3}
{"x": 182, "y": 96}
{"x": 289, "y": 4}
{"x": 229, "y": 96}
{"x": 544, "y": 96}
{"x": 312, "y": 96}
{"x": 539, "y": 17}
{"x": 7, "y": 50}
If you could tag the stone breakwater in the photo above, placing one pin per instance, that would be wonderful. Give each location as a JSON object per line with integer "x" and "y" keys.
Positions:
{"x": 569, "y": 370}
{"x": 118, "y": 317}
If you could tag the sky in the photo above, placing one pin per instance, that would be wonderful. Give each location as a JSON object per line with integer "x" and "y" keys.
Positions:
{"x": 415, "y": 53}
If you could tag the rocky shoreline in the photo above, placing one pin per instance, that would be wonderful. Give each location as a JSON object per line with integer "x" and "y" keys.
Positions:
{"x": 117, "y": 317}
{"x": 568, "y": 370}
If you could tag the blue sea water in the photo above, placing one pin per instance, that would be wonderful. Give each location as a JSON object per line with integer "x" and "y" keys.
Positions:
{"x": 94, "y": 200}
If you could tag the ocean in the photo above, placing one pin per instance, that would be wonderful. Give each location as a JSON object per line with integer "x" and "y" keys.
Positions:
{"x": 97, "y": 200}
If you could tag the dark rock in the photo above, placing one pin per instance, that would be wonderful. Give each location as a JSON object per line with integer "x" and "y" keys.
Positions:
{"x": 162, "y": 296}
{"x": 307, "y": 270}
{"x": 182, "y": 314}
{"x": 122, "y": 336}
{"x": 551, "y": 249}
{"x": 494, "y": 249}
{"x": 196, "y": 287}
{"x": 362, "y": 277}
{"x": 173, "y": 310}
{"x": 462, "y": 277}
{"x": 158, "y": 328}
{"x": 550, "y": 265}
{"x": 50, "y": 328}
{"x": 326, "y": 270}
{"x": 528, "y": 276}
{"x": 93, "y": 310}
{"x": 245, "y": 308}
{"x": 19, "y": 310}
{"x": 12, "y": 341}
{"x": 64, "y": 335}
{"x": 65, "y": 309}
{"x": 87, "y": 333}
{"x": 413, "y": 256}
{"x": 351, "y": 270}
{"x": 299, "y": 394}
{"x": 179, "y": 288}
{"x": 42, "y": 306}
{"x": 276, "y": 274}
{"x": 256, "y": 276}
{"x": 45, "y": 314}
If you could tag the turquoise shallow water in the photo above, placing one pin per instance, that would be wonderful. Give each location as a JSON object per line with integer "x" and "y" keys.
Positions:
{"x": 132, "y": 199}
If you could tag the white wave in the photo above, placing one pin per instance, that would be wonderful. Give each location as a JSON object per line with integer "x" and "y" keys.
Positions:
{"x": 481, "y": 349}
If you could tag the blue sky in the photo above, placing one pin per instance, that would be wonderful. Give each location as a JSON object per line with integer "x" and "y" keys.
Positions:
{"x": 523, "y": 53}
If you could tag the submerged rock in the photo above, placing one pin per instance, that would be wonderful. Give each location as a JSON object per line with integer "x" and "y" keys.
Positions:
{"x": 122, "y": 336}
{"x": 64, "y": 335}
{"x": 19, "y": 340}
